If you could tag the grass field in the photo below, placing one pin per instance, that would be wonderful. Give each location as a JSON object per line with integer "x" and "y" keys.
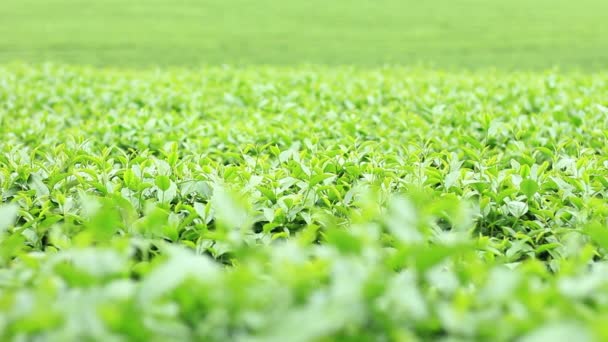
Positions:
{"x": 302, "y": 204}
{"x": 519, "y": 34}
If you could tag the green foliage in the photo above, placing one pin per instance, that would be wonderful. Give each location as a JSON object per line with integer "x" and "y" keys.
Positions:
{"x": 514, "y": 34}
{"x": 304, "y": 204}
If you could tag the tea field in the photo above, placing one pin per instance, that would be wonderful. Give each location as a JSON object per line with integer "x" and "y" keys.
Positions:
{"x": 302, "y": 204}
{"x": 472, "y": 34}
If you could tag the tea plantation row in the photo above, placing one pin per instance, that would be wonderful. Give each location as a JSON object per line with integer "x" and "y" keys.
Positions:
{"x": 302, "y": 204}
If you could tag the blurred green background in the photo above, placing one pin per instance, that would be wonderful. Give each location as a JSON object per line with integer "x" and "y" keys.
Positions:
{"x": 520, "y": 34}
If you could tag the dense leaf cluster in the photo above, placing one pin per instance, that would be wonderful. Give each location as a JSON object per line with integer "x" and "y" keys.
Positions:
{"x": 300, "y": 204}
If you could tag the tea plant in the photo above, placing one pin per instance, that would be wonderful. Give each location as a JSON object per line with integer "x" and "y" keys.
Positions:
{"x": 302, "y": 204}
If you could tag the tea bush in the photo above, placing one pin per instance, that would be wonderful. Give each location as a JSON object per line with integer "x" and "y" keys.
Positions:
{"x": 302, "y": 204}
